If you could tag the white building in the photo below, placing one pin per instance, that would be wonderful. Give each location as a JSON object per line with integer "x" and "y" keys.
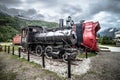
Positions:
{"x": 117, "y": 38}
{"x": 117, "y": 34}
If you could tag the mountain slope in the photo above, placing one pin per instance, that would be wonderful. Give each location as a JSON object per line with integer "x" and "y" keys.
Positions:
{"x": 10, "y": 26}
{"x": 109, "y": 32}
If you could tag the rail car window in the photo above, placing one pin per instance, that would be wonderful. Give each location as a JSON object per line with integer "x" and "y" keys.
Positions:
{"x": 34, "y": 30}
{"x": 24, "y": 33}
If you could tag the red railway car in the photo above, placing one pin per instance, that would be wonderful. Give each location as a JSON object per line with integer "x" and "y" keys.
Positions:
{"x": 90, "y": 39}
{"x": 17, "y": 39}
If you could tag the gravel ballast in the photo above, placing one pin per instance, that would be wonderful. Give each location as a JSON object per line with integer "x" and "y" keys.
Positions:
{"x": 61, "y": 67}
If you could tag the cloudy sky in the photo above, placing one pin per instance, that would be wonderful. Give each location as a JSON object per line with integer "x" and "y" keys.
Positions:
{"x": 107, "y": 12}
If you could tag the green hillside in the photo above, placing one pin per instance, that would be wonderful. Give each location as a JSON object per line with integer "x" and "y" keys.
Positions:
{"x": 10, "y": 26}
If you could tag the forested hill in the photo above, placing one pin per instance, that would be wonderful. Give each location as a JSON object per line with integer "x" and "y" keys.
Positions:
{"x": 10, "y": 26}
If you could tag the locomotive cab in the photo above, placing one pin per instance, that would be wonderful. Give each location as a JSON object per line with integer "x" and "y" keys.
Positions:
{"x": 27, "y": 36}
{"x": 24, "y": 37}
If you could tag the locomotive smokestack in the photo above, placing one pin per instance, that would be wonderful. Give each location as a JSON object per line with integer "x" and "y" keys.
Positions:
{"x": 61, "y": 23}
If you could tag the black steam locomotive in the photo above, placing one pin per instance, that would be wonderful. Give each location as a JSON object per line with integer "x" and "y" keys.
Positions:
{"x": 55, "y": 42}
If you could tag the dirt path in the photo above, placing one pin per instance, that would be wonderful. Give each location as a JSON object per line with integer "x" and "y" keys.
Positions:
{"x": 105, "y": 66}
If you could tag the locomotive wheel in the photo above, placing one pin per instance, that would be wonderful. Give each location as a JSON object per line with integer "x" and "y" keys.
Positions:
{"x": 65, "y": 56}
{"x": 39, "y": 50}
{"x": 48, "y": 52}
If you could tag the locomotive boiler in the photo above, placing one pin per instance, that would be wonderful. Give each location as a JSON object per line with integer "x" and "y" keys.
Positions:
{"x": 57, "y": 36}
{"x": 60, "y": 41}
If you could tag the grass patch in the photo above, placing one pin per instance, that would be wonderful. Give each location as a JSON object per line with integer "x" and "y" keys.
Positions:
{"x": 14, "y": 56}
{"x": 11, "y": 46}
{"x": 50, "y": 73}
{"x": 25, "y": 61}
{"x": 36, "y": 65}
{"x": 12, "y": 76}
{"x": 6, "y": 75}
{"x": 83, "y": 75}
{"x": 6, "y": 43}
{"x": 9, "y": 75}
{"x": 89, "y": 54}
{"x": 16, "y": 47}
{"x": 103, "y": 47}
{"x": 113, "y": 45}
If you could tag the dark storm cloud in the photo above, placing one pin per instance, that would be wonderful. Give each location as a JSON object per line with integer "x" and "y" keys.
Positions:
{"x": 105, "y": 11}
{"x": 20, "y": 2}
{"x": 28, "y": 14}
{"x": 10, "y": 2}
{"x": 32, "y": 11}
{"x": 112, "y": 6}
{"x": 46, "y": 3}
{"x": 51, "y": 3}
{"x": 11, "y": 11}
{"x": 3, "y": 8}
{"x": 38, "y": 17}
{"x": 69, "y": 9}
{"x": 43, "y": 1}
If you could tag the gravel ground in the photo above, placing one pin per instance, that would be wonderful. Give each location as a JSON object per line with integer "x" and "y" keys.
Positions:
{"x": 105, "y": 66}
{"x": 60, "y": 67}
